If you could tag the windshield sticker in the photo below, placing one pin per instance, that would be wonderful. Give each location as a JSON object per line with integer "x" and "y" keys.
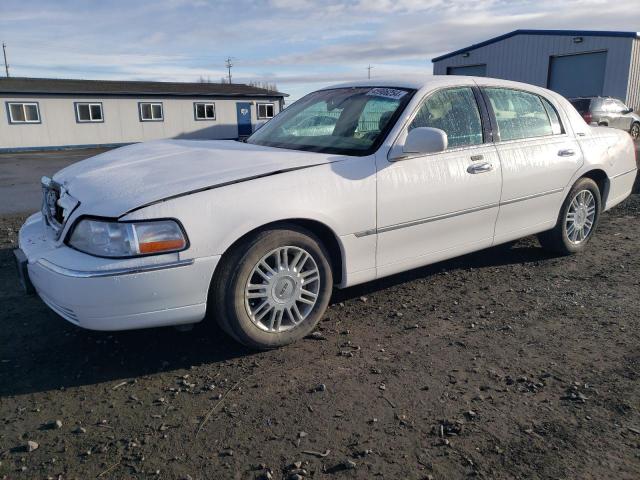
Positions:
{"x": 387, "y": 93}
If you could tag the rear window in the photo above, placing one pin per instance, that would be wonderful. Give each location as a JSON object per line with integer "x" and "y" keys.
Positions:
{"x": 581, "y": 104}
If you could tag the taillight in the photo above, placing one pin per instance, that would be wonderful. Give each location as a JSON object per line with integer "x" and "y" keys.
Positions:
{"x": 587, "y": 117}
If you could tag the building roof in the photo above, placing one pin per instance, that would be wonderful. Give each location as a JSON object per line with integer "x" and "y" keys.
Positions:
{"x": 58, "y": 86}
{"x": 570, "y": 33}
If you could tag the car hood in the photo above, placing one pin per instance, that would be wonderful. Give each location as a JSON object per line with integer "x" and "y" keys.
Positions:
{"x": 120, "y": 180}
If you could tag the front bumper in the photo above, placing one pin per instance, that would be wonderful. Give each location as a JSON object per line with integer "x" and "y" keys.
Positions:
{"x": 111, "y": 294}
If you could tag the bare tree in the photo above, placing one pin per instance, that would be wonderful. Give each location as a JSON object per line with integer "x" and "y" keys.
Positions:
{"x": 271, "y": 87}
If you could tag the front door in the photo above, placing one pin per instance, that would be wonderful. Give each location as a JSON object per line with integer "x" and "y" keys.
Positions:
{"x": 438, "y": 206}
{"x": 243, "y": 111}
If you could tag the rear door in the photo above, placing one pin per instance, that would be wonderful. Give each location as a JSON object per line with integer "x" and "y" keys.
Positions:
{"x": 538, "y": 157}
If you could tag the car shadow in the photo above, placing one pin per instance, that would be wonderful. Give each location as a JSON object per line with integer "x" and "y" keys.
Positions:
{"x": 43, "y": 352}
{"x": 521, "y": 252}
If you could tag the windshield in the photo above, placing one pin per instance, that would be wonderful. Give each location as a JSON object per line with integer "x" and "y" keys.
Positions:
{"x": 348, "y": 121}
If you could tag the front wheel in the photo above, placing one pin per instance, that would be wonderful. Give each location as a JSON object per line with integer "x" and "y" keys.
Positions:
{"x": 635, "y": 131}
{"x": 577, "y": 220}
{"x": 273, "y": 288}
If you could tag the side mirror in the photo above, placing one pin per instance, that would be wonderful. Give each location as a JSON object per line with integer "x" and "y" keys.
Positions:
{"x": 628, "y": 110}
{"x": 425, "y": 140}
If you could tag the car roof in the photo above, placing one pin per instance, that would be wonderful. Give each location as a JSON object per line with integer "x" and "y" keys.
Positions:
{"x": 434, "y": 81}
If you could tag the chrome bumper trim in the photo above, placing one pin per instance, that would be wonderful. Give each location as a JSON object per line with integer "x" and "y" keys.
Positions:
{"x": 111, "y": 273}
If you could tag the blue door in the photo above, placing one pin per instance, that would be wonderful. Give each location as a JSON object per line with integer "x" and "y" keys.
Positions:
{"x": 244, "y": 119}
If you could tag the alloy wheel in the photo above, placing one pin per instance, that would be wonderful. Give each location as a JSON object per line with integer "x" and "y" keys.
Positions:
{"x": 282, "y": 289}
{"x": 580, "y": 217}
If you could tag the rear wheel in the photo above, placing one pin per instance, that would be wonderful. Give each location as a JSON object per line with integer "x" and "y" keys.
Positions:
{"x": 577, "y": 220}
{"x": 273, "y": 288}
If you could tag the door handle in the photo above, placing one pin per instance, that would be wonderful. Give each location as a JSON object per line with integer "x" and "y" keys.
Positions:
{"x": 480, "y": 167}
{"x": 569, "y": 152}
{"x": 475, "y": 158}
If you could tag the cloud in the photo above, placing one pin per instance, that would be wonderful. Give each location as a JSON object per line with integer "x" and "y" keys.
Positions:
{"x": 300, "y": 44}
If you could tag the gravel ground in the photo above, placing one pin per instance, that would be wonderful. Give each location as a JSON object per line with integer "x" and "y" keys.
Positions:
{"x": 507, "y": 363}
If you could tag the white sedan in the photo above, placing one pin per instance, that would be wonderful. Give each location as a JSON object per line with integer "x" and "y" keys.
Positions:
{"x": 255, "y": 235}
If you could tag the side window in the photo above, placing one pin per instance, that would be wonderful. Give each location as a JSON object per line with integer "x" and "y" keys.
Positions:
{"x": 556, "y": 125}
{"x": 618, "y": 106}
{"x": 519, "y": 114}
{"x": 456, "y": 112}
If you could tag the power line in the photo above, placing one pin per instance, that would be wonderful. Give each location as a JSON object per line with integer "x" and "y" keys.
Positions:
{"x": 4, "y": 52}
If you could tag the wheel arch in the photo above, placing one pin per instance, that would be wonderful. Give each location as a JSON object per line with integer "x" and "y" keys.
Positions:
{"x": 602, "y": 180}
{"x": 326, "y": 235}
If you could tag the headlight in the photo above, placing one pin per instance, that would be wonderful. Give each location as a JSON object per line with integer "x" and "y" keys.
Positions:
{"x": 127, "y": 239}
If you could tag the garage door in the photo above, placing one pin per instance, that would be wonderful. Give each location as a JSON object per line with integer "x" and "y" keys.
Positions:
{"x": 578, "y": 75}
{"x": 470, "y": 70}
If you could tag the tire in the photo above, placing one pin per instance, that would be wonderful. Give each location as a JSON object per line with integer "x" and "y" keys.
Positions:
{"x": 635, "y": 131}
{"x": 564, "y": 239}
{"x": 238, "y": 308}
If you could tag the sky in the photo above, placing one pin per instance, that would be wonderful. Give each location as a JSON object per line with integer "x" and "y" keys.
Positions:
{"x": 300, "y": 45}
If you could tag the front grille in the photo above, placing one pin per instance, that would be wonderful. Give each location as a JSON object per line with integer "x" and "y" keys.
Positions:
{"x": 53, "y": 213}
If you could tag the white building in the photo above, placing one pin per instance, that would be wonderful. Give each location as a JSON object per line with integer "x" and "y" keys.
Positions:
{"x": 42, "y": 113}
{"x": 572, "y": 62}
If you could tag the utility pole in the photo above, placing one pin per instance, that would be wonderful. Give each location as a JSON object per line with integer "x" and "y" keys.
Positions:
{"x": 369, "y": 72}
{"x": 229, "y": 63}
{"x": 4, "y": 52}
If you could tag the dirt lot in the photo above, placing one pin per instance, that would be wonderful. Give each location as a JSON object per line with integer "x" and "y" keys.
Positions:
{"x": 508, "y": 363}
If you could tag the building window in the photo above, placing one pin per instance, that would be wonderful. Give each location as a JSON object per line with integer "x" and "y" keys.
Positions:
{"x": 205, "y": 111}
{"x": 89, "y": 112}
{"x": 151, "y": 112}
{"x": 23, "y": 112}
{"x": 266, "y": 110}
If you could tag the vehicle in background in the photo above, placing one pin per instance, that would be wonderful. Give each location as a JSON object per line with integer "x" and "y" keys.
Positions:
{"x": 608, "y": 112}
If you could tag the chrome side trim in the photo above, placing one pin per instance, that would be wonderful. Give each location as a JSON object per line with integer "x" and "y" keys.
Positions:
{"x": 529, "y": 197}
{"x": 444, "y": 216}
{"x": 111, "y": 273}
{"x": 624, "y": 173}
{"x": 413, "y": 223}
{"x": 366, "y": 233}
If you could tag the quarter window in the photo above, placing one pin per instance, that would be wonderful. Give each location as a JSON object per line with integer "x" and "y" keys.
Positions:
{"x": 519, "y": 114}
{"x": 205, "y": 111}
{"x": 456, "y": 112}
{"x": 266, "y": 110}
{"x": 151, "y": 112}
{"x": 556, "y": 125}
{"x": 24, "y": 112}
{"x": 89, "y": 112}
